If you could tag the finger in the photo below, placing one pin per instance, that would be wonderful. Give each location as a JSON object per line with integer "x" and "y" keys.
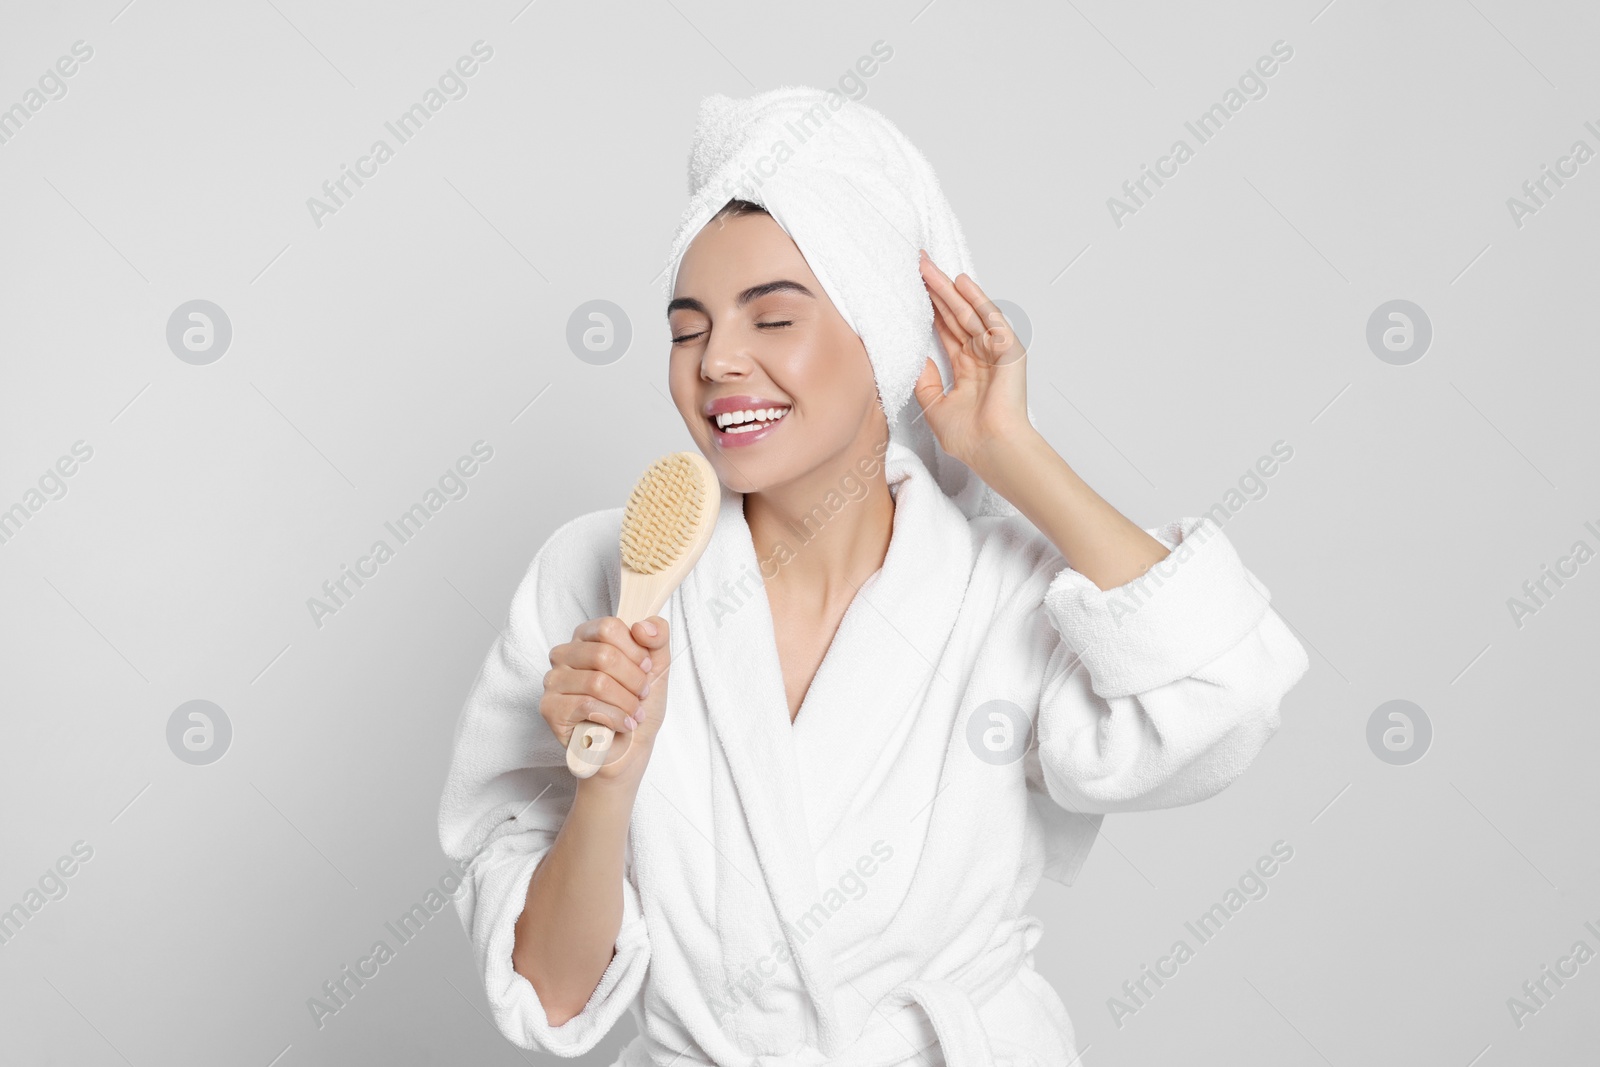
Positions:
{"x": 958, "y": 345}
{"x": 981, "y": 316}
{"x": 967, "y": 321}
{"x": 613, "y": 631}
{"x": 942, "y": 331}
{"x": 609, "y": 659}
{"x": 945, "y": 317}
{"x": 654, "y": 634}
{"x": 938, "y": 285}
{"x": 658, "y": 646}
{"x": 1002, "y": 346}
{"x": 973, "y": 293}
{"x": 960, "y": 331}
{"x": 929, "y": 389}
{"x": 998, "y": 341}
{"x": 952, "y": 328}
{"x": 573, "y": 711}
{"x": 595, "y": 685}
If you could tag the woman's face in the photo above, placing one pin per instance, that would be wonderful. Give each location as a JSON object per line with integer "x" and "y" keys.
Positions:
{"x": 753, "y": 329}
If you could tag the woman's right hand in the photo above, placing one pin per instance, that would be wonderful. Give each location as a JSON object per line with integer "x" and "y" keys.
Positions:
{"x": 611, "y": 674}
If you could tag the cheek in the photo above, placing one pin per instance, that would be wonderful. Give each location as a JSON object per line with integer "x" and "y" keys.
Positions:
{"x": 681, "y": 386}
{"x": 812, "y": 370}
{"x": 834, "y": 379}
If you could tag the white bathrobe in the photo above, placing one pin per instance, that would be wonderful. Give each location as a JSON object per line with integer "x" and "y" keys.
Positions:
{"x": 850, "y": 888}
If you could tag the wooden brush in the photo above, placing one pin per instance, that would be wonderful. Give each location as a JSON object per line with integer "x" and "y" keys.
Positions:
{"x": 665, "y": 527}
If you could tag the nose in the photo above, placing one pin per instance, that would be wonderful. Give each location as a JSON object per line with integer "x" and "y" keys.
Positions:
{"x": 724, "y": 358}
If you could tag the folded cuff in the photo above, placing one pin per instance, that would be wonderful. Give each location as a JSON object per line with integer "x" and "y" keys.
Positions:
{"x": 1166, "y": 624}
{"x": 512, "y": 999}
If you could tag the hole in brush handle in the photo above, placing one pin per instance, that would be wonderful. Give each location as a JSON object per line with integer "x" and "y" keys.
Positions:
{"x": 594, "y": 745}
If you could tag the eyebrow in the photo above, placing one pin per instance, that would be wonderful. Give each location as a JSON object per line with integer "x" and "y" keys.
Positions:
{"x": 755, "y": 292}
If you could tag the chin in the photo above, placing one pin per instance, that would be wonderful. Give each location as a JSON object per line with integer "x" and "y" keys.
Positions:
{"x": 754, "y": 474}
{"x": 788, "y": 456}
{"x": 750, "y": 476}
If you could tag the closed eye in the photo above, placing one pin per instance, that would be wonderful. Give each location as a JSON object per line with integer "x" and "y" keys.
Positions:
{"x": 681, "y": 338}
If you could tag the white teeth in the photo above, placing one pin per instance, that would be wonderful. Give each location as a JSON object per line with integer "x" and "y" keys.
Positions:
{"x": 728, "y": 419}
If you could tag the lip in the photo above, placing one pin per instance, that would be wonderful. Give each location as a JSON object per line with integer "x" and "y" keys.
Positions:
{"x": 741, "y": 402}
{"x": 738, "y": 403}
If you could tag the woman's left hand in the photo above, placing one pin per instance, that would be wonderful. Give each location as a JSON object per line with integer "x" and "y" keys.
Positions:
{"x": 989, "y": 398}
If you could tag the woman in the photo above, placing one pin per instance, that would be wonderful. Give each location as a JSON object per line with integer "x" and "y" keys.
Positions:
{"x": 913, "y": 671}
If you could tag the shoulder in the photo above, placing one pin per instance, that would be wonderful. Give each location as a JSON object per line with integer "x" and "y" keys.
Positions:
{"x": 1012, "y": 545}
{"x": 574, "y": 575}
{"x": 580, "y": 544}
{"x": 1012, "y": 560}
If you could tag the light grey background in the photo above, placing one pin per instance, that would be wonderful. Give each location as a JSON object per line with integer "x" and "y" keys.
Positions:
{"x": 431, "y": 311}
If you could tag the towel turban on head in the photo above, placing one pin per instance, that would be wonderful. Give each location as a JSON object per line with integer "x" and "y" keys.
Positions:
{"x": 858, "y": 200}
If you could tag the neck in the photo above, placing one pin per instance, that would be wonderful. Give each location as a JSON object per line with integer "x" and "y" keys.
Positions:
{"x": 823, "y": 534}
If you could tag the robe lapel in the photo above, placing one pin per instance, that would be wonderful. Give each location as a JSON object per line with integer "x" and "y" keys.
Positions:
{"x": 888, "y": 652}
{"x": 795, "y": 782}
{"x": 731, "y": 645}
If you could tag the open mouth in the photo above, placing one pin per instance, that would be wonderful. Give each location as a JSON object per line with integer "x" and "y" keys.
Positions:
{"x": 746, "y": 421}
{"x": 741, "y": 419}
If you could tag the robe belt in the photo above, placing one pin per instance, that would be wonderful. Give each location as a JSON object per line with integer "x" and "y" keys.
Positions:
{"x": 951, "y": 1008}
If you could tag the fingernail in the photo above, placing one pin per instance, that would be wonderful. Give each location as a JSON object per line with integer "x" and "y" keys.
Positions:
{"x": 644, "y": 665}
{"x": 649, "y": 627}
{"x": 645, "y": 691}
{"x": 630, "y": 722}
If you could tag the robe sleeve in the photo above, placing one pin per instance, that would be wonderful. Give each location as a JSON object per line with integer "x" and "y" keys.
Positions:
{"x": 1160, "y": 692}
{"x": 507, "y": 793}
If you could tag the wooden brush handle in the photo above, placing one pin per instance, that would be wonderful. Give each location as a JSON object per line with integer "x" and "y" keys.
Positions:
{"x": 642, "y": 596}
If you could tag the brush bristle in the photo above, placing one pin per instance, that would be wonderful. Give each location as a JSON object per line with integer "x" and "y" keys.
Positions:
{"x": 663, "y": 513}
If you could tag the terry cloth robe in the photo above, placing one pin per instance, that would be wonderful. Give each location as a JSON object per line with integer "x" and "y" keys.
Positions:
{"x": 850, "y": 888}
